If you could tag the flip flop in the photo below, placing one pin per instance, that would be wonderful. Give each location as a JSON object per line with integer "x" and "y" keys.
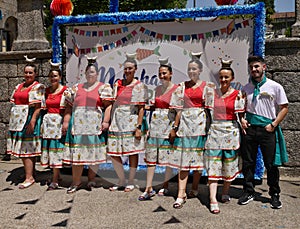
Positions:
{"x": 26, "y": 184}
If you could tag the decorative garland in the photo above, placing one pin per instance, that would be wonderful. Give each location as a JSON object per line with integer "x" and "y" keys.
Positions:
{"x": 258, "y": 10}
{"x": 232, "y": 26}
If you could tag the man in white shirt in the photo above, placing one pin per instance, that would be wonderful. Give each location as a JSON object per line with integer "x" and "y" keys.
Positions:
{"x": 260, "y": 127}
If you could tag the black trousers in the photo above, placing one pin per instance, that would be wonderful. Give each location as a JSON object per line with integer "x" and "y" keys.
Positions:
{"x": 258, "y": 136}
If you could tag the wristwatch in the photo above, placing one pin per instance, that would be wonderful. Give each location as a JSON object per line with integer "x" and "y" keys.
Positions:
{"x": 175, "y": 128}
{"x": 139, "y": 127}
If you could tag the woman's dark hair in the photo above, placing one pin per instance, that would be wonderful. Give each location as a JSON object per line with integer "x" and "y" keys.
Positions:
{"x": 31, "y": 65}
{"x": 57, "y": 70}
{"x": 92, "y": 65}
{"x": 229, "y": 69}
{"x": 169, "y": 67}
{"x": 133, "y": 61}
{"x": 198, "y": 62}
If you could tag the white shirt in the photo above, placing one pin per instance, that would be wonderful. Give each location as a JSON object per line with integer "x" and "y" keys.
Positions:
{"x": 265, "y": 104}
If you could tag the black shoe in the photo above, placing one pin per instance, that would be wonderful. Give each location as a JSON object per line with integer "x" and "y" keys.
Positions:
{"x": 6, "y": 157}
{"x": 246, "y": 198}
{"x": 275, "y": 202}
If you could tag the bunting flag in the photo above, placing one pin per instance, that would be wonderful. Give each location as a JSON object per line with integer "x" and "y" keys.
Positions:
{"x": 230, "y": 27}
{"x": 99, "y": 33}
{"x": 153, "y": 34}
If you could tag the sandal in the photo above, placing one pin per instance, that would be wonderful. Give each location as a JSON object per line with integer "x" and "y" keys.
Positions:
{"x": 214, "y": 208}
{"x": 225, "y": 199}
{"x": 192, "y": 194}
{"x": 52, "y": 186}
{"x": 129, "y": 188}
{"x": 26, "y": 184}
{"x": 73, "y": 188}
{"x": 146, "y": 195}
{"x": 116, "y": 188}
{"x": 163, "y": 192}
{"x": 179, "y": 202}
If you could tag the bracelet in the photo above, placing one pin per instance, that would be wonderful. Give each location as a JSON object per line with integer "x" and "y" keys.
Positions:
{"x": 139, "y": 127}
{"x": 272, "y": 125}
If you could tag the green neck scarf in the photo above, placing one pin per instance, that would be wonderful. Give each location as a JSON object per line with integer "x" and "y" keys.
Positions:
{"x": 257, "y": 86}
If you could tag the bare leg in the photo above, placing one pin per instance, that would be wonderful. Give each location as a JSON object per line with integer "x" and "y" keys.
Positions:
{"x": 196, "y": 179}
{"x": 29, "y": 167}
{"x": 92, "y": 172}
{"x": 133, "y": 163}
{"x": 168, "y": 175}
{"x": 182, "y": 182}
{"x": 118, "y": 166}
{"x": 76, "y": 174}
{"x": 213, "y": 185}
{"x": 226, "y": 187}
{"x": 56, "y": 175}
{"x": 150, "y": 174}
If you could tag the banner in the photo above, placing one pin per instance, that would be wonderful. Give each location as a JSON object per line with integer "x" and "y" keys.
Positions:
{"x": 226, "y": 39}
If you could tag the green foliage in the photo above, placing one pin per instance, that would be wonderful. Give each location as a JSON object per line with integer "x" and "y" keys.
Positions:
{"x": 288, "y": 32}
{"x": 270, "y": 8}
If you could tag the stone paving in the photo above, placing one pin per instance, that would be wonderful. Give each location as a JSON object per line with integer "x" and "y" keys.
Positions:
{"x": 99, "y": 208}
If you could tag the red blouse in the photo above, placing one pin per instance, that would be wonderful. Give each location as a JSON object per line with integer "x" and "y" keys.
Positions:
{"x": 22, "y": 97}
{"x": 163, "y": 100}
{"x": 224, "y": 107}
{"x": 124, "y": 93}
{"x": 88, "y": 98}
{"x": 53, "y": 101}
{"x": 193, "y": 97}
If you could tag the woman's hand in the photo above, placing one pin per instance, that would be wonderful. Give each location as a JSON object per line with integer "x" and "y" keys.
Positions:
{"x": 64, "y": 128}
{"x": 104, "y": 126}
{"x": 245, "y": 125}
{"x": 138, "y": 134}
{"x": 172, "y": 136}
{"x": 30, "y": 128}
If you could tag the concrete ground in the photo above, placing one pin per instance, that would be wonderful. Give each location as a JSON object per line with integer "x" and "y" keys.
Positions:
{"x": 35, "y": 207}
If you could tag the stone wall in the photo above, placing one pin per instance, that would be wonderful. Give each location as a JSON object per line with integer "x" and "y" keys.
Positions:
{"x": 283, "y": 65}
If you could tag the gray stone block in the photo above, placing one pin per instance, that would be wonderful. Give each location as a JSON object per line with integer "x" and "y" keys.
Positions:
{"x": 291, "y": 83}
{"x": 291, "y": 121}
{"x": 8, "y": 68}
{"x": 4, "y": 93}
{"x": 293, "y": 146}
{"x": 4, "y": 112}
{"x": 3, "y": 131}
{"x": 3, "y": 147}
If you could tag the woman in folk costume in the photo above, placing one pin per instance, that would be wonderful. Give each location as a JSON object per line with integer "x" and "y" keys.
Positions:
{"x": 53, "y": 142}
{"x": 24, "y": 124}
{"x": 87, "y": 115}
{"x": 127, "y": 134}
{"x": 191, "y": 99}
{"x": 158, "y": 148}
{"x": 223, "y": 140}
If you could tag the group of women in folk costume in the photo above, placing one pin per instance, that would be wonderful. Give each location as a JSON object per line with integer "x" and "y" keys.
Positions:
{"x": 193, "y": 127}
